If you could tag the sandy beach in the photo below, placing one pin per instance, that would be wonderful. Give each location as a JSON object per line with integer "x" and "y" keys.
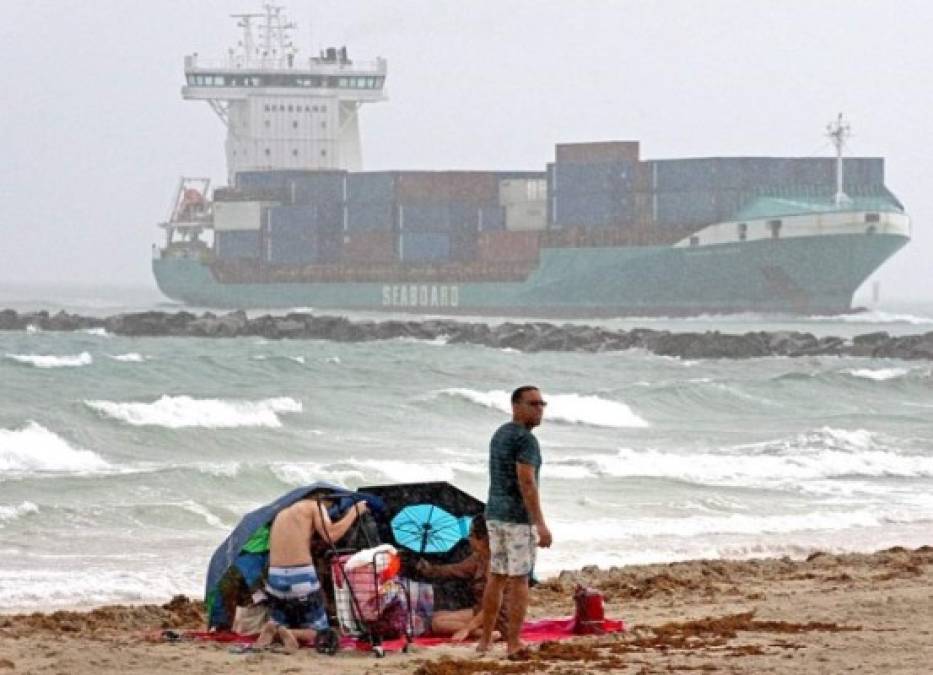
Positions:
{"x": 827, "y": 614}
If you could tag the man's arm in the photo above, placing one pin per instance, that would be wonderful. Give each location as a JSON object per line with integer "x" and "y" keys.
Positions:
{"x": 529, "y": 490}
{"x": 332, "y": 531}
{"x": 465, "y": 569}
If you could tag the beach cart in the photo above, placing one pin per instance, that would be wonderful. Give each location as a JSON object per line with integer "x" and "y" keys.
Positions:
{"x": 370, "y": 603}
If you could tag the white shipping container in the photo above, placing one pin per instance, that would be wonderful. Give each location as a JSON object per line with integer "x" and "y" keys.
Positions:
{"x": 522, "y": 190}
{"x": 242, "y": 216}
{"x": 526, "y": 216}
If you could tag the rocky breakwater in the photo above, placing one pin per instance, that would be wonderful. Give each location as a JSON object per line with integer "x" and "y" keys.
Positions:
{"x": 527, "y": 337}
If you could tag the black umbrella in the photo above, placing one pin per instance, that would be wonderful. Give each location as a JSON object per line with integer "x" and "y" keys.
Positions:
{"x": 448, "y": 594}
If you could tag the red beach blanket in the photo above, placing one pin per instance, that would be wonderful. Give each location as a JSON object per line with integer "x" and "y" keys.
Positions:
{"x": 541, "y": 630}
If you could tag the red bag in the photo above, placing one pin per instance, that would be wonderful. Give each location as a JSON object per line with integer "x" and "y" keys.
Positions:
{"x": 590, "y": 614}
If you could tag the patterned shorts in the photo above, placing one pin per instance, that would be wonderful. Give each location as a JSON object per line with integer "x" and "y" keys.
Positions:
{"x": 295, "y": 597}
{"x": 512, "y": 548}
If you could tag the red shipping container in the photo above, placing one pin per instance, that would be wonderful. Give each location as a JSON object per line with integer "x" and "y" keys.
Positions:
{"x": 422, "y": 187}
{"x": 608, "y": 151}
{"x": 473, "y": 186}
{"x": 369, "y": 247}
{"x": 505, "y": 246}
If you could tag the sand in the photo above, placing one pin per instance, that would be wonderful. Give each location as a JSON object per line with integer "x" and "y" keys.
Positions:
{"x": 828, "y": 614}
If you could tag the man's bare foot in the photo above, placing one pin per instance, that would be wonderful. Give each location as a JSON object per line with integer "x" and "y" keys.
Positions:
{"x": 288, "y": 640}
{"x": 266, "y": 635}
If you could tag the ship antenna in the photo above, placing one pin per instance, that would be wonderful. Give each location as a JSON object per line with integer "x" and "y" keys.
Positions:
{"x": 838, "y": 133}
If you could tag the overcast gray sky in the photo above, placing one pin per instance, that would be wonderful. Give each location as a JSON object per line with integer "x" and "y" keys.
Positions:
{"x": 94, "y": 134}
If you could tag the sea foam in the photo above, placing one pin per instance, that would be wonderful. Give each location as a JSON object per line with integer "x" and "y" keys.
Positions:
{"x": 567, "y": 408}
{"x": 177, "y": 412}
{"x": 33, "y": 448}
{"x": 51, "y": 361}
{"x": 827, "y": 453}
{"x": 8, "y": 513}
{"x": 131, "y": 357}
{"x": 879, "y": 374}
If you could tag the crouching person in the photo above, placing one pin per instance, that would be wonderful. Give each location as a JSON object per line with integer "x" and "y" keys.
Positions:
{"x": 296, "y": 603}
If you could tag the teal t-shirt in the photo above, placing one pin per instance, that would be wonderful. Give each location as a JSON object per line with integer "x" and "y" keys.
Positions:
{"x": 511, "y": 444}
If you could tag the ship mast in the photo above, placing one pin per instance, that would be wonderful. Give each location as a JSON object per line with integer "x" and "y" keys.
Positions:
{"x": 838, "y": 132}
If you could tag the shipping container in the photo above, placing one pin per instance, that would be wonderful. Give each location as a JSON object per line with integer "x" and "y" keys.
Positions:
{"x": 491, "y": 218}
{"x": 424, "y": 217}
{"x": 422, "y": 187}
{"x": 369, "y": 187}
{"x": 526, "y": 216}
{"x": 230, "y": 245}
{"x": 473, "y": 186}
{"x": 286, "y": 246}
{"x": 232, "y": 194}
{"x": 521, "y": 190}
{"x": 371, "y": 216}
{"x": 508, "y": 246}
{"x": 232, "y": 216}
{"x": 592, "y": 178}
{"x": 463, "y": 245}
{"x": 607, "y": 151}
{"x": 295, "y": 217}
{"x": 422, "y": 247}
{"x": 371, "y": 247}
{"x": 593, "y": 210}
{"x": 319, "y": 187}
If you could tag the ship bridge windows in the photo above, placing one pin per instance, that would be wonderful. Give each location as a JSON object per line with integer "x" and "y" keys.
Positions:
{"x": 872, "y": 217}
{"x": 283, "y": 80}
{"x": 775, "y": 228}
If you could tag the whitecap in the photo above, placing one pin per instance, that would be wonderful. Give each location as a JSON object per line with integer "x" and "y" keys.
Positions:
{"x": 98, "y": 332}
{"x": 567, "y": 408}
{"x": 176, "y": 412}
{"x": 33, "y": 448}
{"x": 51, "y": 361}
{"x": 879, "y": 375}
{"x": 131, "y": 357}
{"x": 8, "y": 513}
{"x": 826, "y": 454}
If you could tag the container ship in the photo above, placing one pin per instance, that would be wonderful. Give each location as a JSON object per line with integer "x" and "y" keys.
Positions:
{"x": 598, "y": 231}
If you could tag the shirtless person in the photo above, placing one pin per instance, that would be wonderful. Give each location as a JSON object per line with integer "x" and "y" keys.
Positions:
{"x": 296, "y": 603}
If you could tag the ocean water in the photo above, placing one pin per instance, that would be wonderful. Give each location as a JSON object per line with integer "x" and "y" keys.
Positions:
{"x": 125, "y": 462}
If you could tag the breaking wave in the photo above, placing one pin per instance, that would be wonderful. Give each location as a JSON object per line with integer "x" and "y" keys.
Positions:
{"x": 131, "y": 357}
{"x": 879, "y": 374}
{"x": 567, "y": 408}
{"x": 8, "y": 513}
{"x": 827, "y": 453}
{"x": 177, "y": 412}
{"x": 33, "y": 448}
{"x": 51, "y": 361}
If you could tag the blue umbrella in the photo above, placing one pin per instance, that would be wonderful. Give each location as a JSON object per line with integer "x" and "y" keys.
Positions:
{"x": 427, "y": 528}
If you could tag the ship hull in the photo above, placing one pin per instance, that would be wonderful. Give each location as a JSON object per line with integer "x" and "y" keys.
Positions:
{"x": 802, "y": 275}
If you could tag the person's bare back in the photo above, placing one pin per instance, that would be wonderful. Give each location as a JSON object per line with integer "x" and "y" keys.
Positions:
{"x": 291, "y": 533}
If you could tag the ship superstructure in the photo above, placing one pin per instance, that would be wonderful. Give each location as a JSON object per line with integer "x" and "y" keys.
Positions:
{"x": 599, "y": 230}
{"x": 282, "y": 110}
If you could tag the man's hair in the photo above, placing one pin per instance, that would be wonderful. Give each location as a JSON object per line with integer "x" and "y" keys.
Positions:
{"x": 518, "y": 393}
{"x": 478, "y": 527}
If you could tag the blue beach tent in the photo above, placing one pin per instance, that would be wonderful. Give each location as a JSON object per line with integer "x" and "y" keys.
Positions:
{"x": 246, "y": 548}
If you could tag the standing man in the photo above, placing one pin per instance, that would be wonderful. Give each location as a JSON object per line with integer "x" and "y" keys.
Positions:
{"x": 513, "y": 516}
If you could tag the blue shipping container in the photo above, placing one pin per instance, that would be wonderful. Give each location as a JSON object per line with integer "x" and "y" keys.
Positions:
{"x": 371, "y": 187}
{"x": 424, "y": 218}
{"x": 594, "y": 210}
{"x": 594, "y": 178}
{"x": 424, "y": 246}
{"x": 371, "y": 216}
